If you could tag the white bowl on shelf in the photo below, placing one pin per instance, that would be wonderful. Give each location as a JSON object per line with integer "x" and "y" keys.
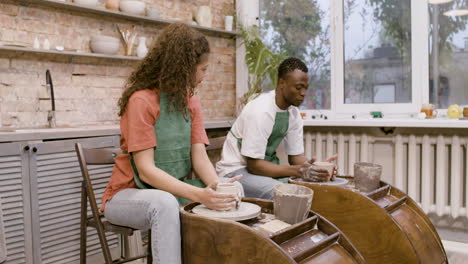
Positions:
{"x": 103, "y": 38}
{"x": 86, "y": 2}
{"x": 133, "y": 7}
{"x": 104, "y": 44}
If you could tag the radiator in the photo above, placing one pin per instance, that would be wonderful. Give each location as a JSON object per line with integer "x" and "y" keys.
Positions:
{"x": 430, "y": 169}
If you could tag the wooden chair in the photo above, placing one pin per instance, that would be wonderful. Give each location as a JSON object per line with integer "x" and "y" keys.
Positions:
{"x": 100, "y": 157}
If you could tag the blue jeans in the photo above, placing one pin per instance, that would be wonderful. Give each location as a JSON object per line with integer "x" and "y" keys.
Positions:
{"x": 257, "y": 186}
{"x": 149, "y": 208}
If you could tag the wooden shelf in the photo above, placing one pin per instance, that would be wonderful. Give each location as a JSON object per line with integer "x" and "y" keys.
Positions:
{"x": 67, "y": 53}
{"x": 111, "y": 13}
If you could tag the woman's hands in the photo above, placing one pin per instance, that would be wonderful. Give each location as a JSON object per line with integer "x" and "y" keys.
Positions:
{"x": 219, "y": 201}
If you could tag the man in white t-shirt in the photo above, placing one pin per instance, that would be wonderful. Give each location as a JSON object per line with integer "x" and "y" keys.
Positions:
{"x": 250, "y": 147}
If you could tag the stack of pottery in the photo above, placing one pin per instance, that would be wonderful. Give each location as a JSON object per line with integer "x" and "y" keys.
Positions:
{"x": 104, "y": 44}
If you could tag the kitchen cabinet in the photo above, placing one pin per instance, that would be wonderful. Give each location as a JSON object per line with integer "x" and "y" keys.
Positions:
{"x": 40, "y": 194}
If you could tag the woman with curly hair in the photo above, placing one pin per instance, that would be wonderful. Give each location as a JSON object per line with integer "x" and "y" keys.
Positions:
{"x": 163, "y": 138}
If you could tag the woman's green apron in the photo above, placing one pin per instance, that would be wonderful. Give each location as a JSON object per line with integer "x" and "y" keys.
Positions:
{"x": 278, "y": 133}
{"x": 172, "y": 153}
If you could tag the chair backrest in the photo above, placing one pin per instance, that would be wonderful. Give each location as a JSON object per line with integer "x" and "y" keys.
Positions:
{"x": 93, "y": 156}
{"x": 216, "y": 143}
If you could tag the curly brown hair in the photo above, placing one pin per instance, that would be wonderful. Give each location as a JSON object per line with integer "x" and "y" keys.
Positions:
{"x": 169, "y": 67}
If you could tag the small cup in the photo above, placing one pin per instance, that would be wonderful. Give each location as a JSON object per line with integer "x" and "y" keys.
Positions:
{"x": 229, "y": 188}
{"x": 228, "y": 20}
{"x": 465, "y": 112}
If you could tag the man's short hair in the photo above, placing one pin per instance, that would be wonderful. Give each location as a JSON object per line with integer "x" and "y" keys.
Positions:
{"x": 290, "y": 64}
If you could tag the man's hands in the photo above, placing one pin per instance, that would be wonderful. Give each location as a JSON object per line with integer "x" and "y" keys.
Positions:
{"x": 315, "y": 173}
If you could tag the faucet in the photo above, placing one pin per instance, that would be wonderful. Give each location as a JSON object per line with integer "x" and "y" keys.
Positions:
{"x": 50, "y": 88}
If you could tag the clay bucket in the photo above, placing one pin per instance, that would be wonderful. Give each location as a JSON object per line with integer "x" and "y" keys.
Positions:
{"x": 292, "y": 202}
{"x": 367, "y": 176}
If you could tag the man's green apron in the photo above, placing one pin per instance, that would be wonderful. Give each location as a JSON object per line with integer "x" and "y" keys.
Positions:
{"x": 172, "y": 153}
{"x": 279, "y": 131}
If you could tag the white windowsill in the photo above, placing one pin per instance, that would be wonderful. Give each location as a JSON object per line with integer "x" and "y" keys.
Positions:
{"x": 388, "y": 122}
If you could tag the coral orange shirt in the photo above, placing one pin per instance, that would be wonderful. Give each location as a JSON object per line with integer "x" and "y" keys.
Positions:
{"x": 137, "y": 133}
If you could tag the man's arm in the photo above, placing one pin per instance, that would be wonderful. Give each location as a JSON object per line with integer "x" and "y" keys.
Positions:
{"x": 297, "y": 159}
{"x": 269, "y": 169}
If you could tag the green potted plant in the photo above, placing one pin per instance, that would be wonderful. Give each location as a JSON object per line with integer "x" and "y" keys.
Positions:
{"x": 262, "y": 63}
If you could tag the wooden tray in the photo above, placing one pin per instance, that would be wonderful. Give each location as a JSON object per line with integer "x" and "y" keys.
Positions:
{"x": 314, "y": 240}
{"x": 386, "y": 226}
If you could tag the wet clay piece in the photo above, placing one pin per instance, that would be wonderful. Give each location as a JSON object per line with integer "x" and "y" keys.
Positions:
{"x": 309, "y": 174}
{"x": 292, "y": 202}
{"x": 230, "y": 188}
{"x": 367, "y": 176}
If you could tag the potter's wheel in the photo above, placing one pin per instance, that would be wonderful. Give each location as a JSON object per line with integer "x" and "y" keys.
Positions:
{"x": 245, "y": 211}
{"x": 337, "y": 181}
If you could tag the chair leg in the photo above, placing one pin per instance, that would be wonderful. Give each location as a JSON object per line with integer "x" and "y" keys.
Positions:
{"x": 103, "y": 240}
{"x": 83, "y": 225}
{"x": 123, "y": 246}
{"x": 149, "y": 249}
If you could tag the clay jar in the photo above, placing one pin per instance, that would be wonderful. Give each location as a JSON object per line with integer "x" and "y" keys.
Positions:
{"x": 367, "y": 176}
{"x": 292, "y": 202}
{"x": 112, "y": 4}
{"x": 230, "y": 188}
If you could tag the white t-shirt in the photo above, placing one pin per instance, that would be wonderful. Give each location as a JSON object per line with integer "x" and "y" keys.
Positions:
{"x": 254, "y": 127}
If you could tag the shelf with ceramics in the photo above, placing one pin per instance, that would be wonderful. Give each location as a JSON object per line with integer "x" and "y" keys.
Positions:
{"x": 20, "y": 49}
{"x": 128, "y": 16}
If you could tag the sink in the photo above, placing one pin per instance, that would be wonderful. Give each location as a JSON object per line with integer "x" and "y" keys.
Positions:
{"x": 5, "y": 130}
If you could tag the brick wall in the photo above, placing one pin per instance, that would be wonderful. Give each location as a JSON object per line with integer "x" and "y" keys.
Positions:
{"x": 87, "y": 89}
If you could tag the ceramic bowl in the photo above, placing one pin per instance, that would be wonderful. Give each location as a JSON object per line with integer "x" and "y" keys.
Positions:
{"x": 100, "y": 45}
{"x": 133, "y": 7}
{"x": 102, "y": 38}
{"x": 86, "y": 2}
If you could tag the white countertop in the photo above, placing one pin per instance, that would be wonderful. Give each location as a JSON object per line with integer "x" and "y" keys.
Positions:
{"x": 25, "y": 134}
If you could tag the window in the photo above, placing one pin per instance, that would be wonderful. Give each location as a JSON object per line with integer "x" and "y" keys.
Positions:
{"x": 301, "y": 29}
{"x": 374, "y": 55}
{"x": 377, "y": 49}
{"x": 448, "y": 60}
